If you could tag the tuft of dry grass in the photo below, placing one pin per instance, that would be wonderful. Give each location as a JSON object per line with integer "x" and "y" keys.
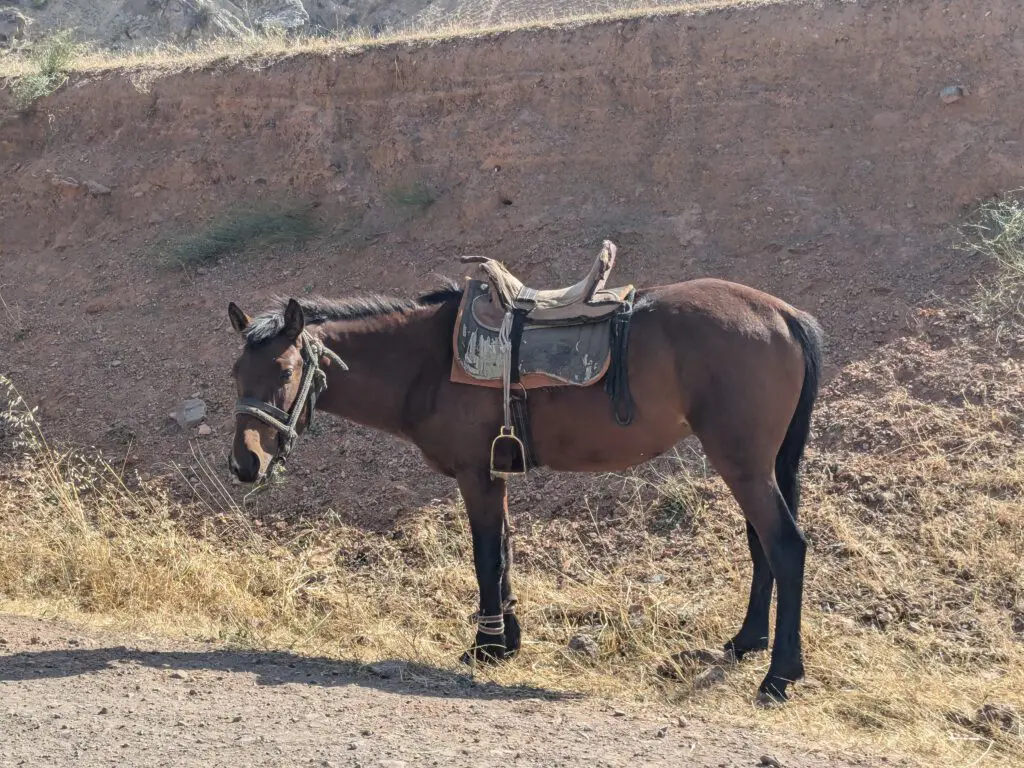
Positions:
{"x": 995, "y": 234}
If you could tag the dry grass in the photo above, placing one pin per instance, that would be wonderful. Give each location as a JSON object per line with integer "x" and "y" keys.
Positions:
{"x": 261, "y": 48}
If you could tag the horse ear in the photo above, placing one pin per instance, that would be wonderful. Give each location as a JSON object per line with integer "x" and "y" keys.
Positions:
{"x": 294, "y": 320}
{"x": 239, "y": 320}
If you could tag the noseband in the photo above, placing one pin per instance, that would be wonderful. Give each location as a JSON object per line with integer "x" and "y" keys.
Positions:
{"x": 314, "y": 382}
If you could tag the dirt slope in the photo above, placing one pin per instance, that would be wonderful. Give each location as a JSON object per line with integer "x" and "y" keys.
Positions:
{"x": 91, "y": 699}
{"x": 801, "y": 149}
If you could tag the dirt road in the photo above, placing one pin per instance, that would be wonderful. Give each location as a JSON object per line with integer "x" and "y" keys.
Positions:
{"x": 75, "y": 698}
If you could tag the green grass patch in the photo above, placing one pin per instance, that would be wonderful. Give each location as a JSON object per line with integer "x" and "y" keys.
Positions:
{"x": 416, "y": 196}
{"x": 245, "y": 231}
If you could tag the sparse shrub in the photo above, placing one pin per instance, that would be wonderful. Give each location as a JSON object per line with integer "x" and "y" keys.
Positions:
{"x": 996, "y": 233}
{"x": 50, "y": 60}
{"x": 245, "y": 230}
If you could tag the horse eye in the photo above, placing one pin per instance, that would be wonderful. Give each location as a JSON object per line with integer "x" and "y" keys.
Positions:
{"x": 287, "y": 374}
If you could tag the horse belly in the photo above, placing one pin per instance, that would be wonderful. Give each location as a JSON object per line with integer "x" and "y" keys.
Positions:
{"x": 574, "y": 430}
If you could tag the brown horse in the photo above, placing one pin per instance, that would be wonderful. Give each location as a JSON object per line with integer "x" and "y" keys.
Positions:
{"x": 732, "y": 365}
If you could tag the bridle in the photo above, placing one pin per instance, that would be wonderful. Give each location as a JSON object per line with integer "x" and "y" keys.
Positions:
{"x": 314, "y": 382}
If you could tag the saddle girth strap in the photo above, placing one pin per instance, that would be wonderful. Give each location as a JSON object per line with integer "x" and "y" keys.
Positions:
{"x": 520, "y": 409}
{"x": 617, "y": 379}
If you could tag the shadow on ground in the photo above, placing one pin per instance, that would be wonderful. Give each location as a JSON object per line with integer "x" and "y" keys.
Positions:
{"x": 270, "y": 668}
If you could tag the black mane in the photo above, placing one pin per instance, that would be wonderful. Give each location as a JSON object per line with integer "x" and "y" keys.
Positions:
{"x": 270, "y": 323}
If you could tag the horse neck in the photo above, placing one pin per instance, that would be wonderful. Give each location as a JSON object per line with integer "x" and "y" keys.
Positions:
{"x": 386, "y": 356}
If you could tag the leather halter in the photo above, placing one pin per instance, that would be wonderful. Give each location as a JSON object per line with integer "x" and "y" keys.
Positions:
{"x": 314, "y": 382}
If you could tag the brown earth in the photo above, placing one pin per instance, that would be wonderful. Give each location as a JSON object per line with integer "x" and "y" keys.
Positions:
{"x": 801, "y": 149}
{"x": 74, "y": 699}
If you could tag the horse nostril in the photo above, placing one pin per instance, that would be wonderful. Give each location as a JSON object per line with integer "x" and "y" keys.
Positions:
{"x": 247, "y": 469}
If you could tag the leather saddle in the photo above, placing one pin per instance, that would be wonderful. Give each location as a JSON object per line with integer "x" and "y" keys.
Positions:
{"x": 566, "y": 337}
{"x": 586, "y": 301}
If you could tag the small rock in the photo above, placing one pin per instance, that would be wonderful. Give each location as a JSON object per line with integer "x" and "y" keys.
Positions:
{"x": 662, "y": 732}
{"x": 190, "y": 413}
{"x": 33, "y": 640}
{"x": 96, "y": 189}
{"x": 1018, "y": 624}
{"x": 366, "y": 732}
{"x": 393, "y": 764}
{"x": 388, "y": 669}
{"x": 682, "y": 722}
{"x": 205, "y": 430}
{"x": 236, "y": 719}
{"x": 585, "y": 645}
{"x": 2, "y": 641}
{"x": 103, "y": 711}
{"x": 64, "y": 182}
{"x": 618, "y": 713}
{"x": 951, "y": 94}
{"x": 177, "y": 676}
{"x": 115, "y": 363}
{"x": 770, "y": 761}
{"x": 709, "y": 678}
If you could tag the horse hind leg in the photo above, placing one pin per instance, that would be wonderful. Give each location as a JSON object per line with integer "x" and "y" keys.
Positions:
{"x": 753, "y": 634}
{"x": 785, "y": 549}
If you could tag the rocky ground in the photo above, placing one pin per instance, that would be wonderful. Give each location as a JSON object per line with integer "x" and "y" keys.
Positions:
{"x": 74, "y": 698}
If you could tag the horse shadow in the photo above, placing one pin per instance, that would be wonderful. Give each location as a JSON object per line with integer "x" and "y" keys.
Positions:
{"x": 271, "y": 668}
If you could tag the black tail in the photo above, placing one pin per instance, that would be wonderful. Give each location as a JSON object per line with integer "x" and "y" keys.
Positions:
{"x": 808, "y": 334}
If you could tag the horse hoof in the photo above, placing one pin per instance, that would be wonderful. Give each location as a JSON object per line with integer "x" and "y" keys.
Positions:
{"x": 513, "y": 635}
{"x": 739, "y": 650}
{"x": 484, "y": 654}
{"x": 772, "y": 692}
{"x": 767, "y": 700}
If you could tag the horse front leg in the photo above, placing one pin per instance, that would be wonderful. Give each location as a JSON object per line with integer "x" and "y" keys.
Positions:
{"x": 485, "y": 500}
{"x": 513, "y": 633}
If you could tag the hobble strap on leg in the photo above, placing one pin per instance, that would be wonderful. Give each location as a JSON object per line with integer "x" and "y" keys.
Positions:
{"x": 491, "y": 625}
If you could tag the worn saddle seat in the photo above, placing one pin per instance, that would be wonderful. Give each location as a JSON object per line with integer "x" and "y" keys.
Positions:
{"x": 566, "y": 335}
{"x": 588, "y": 299}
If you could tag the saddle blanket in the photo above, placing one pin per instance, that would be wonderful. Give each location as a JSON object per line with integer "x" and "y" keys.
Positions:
{"x": 577, "y": 354}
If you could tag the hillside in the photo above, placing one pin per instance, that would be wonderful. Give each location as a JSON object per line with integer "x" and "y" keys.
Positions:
{"x": 830, "y": 153}
{"x": 124, "y": 25}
